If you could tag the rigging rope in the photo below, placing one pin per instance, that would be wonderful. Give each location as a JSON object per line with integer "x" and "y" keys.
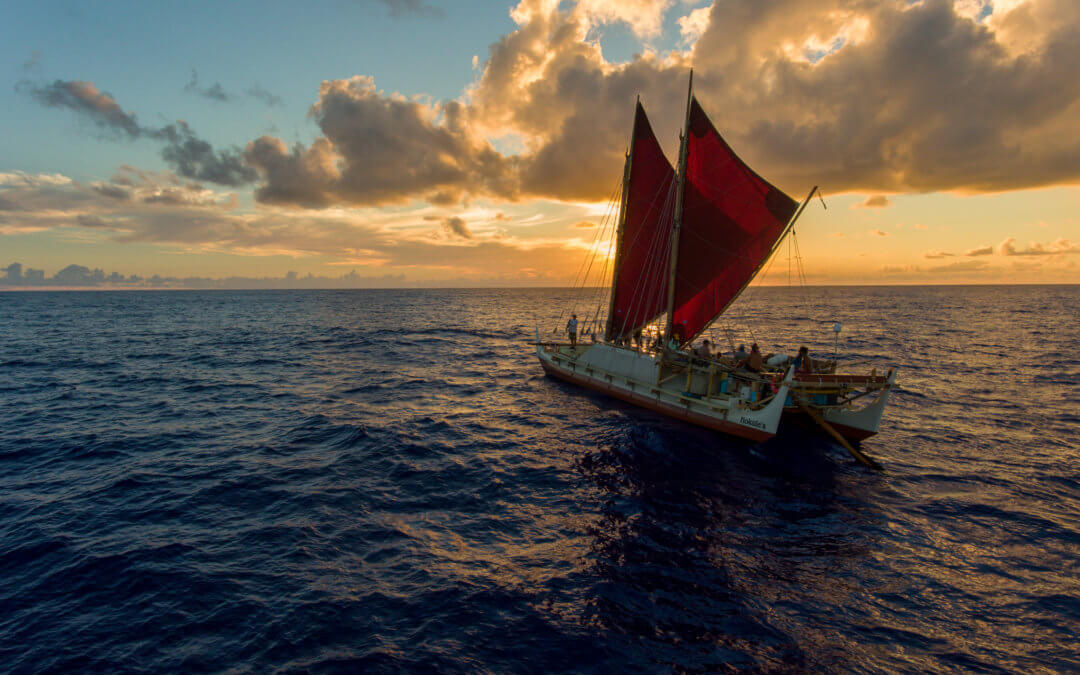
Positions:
{"x": 587, "y": 259}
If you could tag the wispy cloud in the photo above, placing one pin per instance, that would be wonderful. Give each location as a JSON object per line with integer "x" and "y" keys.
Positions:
{"x": 188, "y": 154}
{"x": 84, "y": 98}
{"x": 258, "y": 93}
{"x": 167, "y": 211}
{"x": 400, "y": 8}
{"x": 457, "y": 227}
{"x": 214, "y": 92}
{"x": 873, "y": 202}
{"x": 33, "y": 63}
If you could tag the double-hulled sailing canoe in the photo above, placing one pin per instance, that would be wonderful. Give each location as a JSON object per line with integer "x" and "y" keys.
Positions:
{"x": 688, "y": 242}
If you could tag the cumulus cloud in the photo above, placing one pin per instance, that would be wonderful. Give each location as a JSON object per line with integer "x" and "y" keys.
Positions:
{"x": 194, "y": 158}
{"x": 693, "y": 25}
{"x": 843, "y": 93}
{"x": 1057, "y": 247}
{"x": 380, "y": 149}
{"x": 644, "y": 17}
{"x": 872, "y": 113}
{"x": 873, "y": 202}
{"x": 983, "y": 250}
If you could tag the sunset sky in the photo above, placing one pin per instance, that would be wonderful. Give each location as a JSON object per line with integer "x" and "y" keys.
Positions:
{"x": 477, "y": 143}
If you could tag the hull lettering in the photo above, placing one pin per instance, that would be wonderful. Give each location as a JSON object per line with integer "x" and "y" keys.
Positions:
{"x": 752, "y": 423}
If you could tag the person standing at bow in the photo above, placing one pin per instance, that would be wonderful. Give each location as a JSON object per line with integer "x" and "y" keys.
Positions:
{"x": 571, "y": 330}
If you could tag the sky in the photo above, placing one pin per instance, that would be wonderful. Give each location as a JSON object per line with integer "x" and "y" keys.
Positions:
{"x": 426, "y": 142}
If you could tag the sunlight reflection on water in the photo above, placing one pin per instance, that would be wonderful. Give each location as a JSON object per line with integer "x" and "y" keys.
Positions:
{"x": 385, "y": 479}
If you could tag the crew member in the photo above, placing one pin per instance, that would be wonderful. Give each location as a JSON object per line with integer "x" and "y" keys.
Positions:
{"x": 754, "y": 362}
{"x": 803, "y": 363}
{"x": 703, "y": 350}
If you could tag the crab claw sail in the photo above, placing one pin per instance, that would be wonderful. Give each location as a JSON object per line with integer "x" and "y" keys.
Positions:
{"x": 731, "y": 219}
{"x": 640, "y": 284}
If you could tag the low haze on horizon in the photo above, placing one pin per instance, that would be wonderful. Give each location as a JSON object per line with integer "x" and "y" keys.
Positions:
{"x": 424, "y": 143}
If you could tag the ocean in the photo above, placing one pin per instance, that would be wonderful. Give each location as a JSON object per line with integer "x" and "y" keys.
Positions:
{"x": 385, "y": 480}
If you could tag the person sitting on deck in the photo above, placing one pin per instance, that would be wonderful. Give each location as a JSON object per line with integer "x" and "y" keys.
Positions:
{"x": 571, "y": 329}
{"x": 803, "y": 363}
{"x": 740, "y": 354}
{"x": 754, "y": 362}
{"x": 703, "y": 350}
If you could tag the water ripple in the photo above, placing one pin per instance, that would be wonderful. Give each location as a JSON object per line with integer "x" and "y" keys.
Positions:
{"x": 384, "y": 480}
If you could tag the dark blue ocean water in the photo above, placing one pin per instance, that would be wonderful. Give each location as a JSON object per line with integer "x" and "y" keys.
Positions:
{"x": 385, "y": 480}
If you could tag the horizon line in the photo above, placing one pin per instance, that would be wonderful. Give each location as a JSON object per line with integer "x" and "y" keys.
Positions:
{"x": 117, "y": 289}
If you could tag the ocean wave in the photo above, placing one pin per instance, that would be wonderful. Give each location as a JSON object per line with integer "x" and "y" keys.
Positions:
{"x": 344, "y": 481}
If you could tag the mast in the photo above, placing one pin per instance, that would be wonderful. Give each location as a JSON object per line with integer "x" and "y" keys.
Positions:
{"x": 622, "y": 223}
{"x": 681, "y": 177}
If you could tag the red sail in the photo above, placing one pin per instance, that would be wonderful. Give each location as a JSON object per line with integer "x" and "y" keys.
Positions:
{"x": 731, "y": 219}
{"x": 640, "y": 289}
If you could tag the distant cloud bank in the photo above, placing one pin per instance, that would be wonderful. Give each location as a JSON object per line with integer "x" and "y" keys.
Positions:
{"x": 78, "y": 276}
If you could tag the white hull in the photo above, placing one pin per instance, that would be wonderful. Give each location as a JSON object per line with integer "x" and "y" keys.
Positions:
{"x": 853, "y": 422}
{"x": 640, "y": 378}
